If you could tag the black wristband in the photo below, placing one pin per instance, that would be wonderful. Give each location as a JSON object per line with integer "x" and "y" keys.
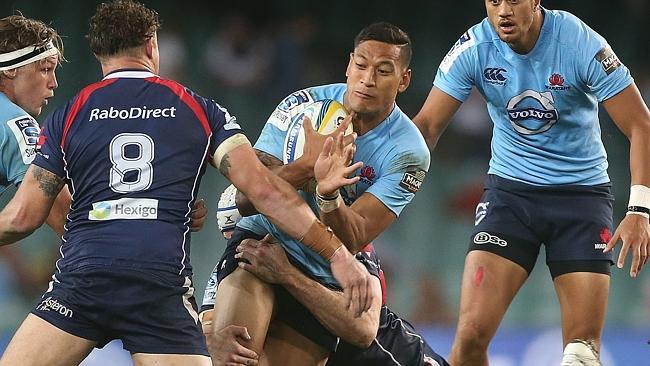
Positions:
{"x": 642, "y": 209}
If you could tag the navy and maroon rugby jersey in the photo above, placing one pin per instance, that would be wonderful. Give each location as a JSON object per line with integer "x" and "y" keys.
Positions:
{"x": 132, "y": 148}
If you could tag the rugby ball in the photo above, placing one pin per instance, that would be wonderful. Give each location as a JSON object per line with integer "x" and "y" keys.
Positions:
{"x": 325, "y": 115}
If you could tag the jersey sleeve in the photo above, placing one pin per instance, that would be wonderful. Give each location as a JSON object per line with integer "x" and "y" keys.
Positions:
{"x": 224, "y": 127}
{"x": 402, "y": 180}
{"x": 19, "y": 137}
{"x": 455, "y": 73}
{"x": 49, "y": 155}
{"x": 603, "y": 72}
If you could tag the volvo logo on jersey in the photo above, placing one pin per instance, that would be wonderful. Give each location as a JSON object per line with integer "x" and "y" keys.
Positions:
{"x": 532, "y": 112}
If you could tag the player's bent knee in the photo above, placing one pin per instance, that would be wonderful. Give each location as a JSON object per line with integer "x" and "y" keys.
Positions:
{"x": 580, "y": 353}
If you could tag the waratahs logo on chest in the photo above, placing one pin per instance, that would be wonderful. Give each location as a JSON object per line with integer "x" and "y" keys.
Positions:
{"x": 532, "y": 112}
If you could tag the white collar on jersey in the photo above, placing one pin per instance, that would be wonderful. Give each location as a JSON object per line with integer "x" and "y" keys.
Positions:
{"x": 133, "y": 74}
{"x": 26, "y": 55}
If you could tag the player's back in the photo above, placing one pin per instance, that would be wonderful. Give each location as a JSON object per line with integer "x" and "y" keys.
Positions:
{"x": 134, "y": 147}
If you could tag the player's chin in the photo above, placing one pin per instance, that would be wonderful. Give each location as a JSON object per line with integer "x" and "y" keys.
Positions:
{"x": 508, "y": 37}
{"x": 363, "y": 106}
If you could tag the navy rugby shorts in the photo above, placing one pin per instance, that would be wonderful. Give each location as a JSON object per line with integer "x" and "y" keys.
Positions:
{"x": 151, "y": 312}
{"x": 573, "y": 222}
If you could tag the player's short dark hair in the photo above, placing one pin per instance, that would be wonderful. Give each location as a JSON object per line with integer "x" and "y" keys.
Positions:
{"x": 387, "y": 33}
{"x": 18, "y": 31}
{"x": 120, "y": 25}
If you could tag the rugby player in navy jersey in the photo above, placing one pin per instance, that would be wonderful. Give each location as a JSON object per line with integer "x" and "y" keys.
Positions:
{"x": 542, "y": 73}
{"x": 30, "y": 52}
{"x": 132, "y": 149}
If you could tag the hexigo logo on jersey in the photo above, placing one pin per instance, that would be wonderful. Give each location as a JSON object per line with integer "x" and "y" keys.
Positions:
{"x": 124, "y": 209}
{"x": 532, "y": 112}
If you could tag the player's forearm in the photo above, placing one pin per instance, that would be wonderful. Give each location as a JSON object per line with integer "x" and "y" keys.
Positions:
{"x": 14, "y": 226}
{"x": 295, "y": 174}
{"x": 349, "y": 226}
{"x": 640, "y": 155}
{"x": 329, "y": 307}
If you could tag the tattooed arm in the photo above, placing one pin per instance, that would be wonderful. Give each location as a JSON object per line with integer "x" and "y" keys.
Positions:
{"x": 30, "y": 206}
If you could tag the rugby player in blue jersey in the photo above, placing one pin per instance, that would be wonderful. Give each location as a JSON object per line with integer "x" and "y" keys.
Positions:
{"x": 30, "y": 52}
{"x": 396, "y": 341}
{"x": 132, "y": 149}
{"x": 542, "y": 73}
{"x": 395, "y": 159}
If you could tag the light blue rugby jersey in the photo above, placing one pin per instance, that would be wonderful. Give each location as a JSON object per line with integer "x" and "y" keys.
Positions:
{"x": 18, "y": 137}
{"x": 544, "y": 104}
{"x": 394, "y": 154}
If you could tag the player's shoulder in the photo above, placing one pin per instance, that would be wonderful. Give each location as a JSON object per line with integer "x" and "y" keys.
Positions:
{"x": 409, "y": 146}
{"x": 573, "y": 33}
{"x": 480, "y": 36}
{"x": 9, "y": 110}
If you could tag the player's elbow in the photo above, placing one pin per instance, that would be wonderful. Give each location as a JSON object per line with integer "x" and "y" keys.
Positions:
{"x": 364, "y": 332}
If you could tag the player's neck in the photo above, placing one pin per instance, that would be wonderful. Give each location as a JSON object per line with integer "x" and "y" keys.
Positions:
{"x": 362, "y": 123}
{"x": 126, "y": 62}
{"x": 528, "y": 40}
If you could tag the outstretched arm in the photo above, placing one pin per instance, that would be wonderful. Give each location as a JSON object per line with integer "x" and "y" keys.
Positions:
{"x": 632, "y": 117}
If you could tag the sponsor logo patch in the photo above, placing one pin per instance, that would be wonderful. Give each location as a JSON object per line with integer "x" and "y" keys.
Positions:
{"x": 295, "y": 99}
{"x": 26, "y": 131}
{"x": 124, "y": 209}
{"x": 481, "y": 212}
{"x": 464, "y": 42}
{"x": 495, "y": 75}
{"x": 486, "y": 238}
{"x": 608, "y": 60}
{"x": 368, "y": 174}
{"x": 532, "y": 112}
{"x": 605, "y": 236}
{"x": 143, "y": 112}
{"x": 556, "y": 82}
{"x": 412, "y": 180}
{"x": 54, "y": 305}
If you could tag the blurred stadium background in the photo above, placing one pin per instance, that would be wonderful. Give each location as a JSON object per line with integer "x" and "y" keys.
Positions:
{"x": 248, "y": 55}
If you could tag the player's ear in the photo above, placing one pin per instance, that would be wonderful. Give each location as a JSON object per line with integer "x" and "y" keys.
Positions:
{"x": 347, "y": 70}
{"x": 151, "y": 46}
{"x": 405, "y": 81}
{"x": 9, "y": 74}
